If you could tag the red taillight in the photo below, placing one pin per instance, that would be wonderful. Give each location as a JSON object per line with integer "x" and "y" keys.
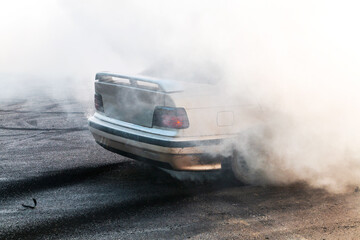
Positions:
{"x": 98, "y": 102}
{"x": 170, "y": 117}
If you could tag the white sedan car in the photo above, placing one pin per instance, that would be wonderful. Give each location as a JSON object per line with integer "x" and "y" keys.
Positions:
{"x": 184, "y": 126}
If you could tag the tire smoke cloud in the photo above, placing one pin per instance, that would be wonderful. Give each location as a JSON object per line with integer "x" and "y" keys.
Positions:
{"x": 299, "y": 61}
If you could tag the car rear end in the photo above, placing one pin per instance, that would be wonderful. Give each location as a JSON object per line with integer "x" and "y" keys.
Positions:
{"x": 170, "y": 124}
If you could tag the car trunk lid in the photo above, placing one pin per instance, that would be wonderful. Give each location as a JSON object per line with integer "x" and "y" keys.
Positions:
{"x": 133, "y": 99}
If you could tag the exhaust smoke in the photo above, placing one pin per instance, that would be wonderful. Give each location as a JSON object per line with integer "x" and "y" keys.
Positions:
{"x": 299, "y": 62}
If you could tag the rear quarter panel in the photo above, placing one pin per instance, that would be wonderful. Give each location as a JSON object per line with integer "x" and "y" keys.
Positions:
{"x": 213, "y": 114}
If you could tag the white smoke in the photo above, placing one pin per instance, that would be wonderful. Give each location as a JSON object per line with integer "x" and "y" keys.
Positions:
{"x": 299, "y": 60}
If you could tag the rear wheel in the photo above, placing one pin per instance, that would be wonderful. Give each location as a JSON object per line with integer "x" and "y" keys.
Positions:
{"x": 241, "y": 169}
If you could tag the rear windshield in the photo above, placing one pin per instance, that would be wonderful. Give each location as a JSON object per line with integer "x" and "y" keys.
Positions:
{"x": 207, "y": 73}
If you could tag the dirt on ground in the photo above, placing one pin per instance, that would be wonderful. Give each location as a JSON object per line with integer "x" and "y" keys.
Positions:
{"x": 83, "y": 191}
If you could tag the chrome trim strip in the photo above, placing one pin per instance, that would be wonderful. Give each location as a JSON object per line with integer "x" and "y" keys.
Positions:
{"x": 154, "y": 141}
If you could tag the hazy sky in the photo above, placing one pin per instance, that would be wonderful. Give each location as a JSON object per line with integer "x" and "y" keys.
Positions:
{"x": 63, "y": 38}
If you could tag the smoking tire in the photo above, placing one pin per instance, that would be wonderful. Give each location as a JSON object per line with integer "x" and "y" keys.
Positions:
{"x": 241, "y": 169}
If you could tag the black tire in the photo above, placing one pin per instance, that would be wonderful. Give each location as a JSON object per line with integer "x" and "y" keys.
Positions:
{"x": 241, "y": 169}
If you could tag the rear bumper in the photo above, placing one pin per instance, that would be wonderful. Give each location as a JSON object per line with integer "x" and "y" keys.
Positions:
{"x": 187, "y": 154}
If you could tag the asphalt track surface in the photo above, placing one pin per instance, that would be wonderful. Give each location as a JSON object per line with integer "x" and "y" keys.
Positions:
{"x": 85, "y": 192}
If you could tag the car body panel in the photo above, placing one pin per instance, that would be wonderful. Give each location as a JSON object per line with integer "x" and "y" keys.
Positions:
{"x": 181, "y": 153}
